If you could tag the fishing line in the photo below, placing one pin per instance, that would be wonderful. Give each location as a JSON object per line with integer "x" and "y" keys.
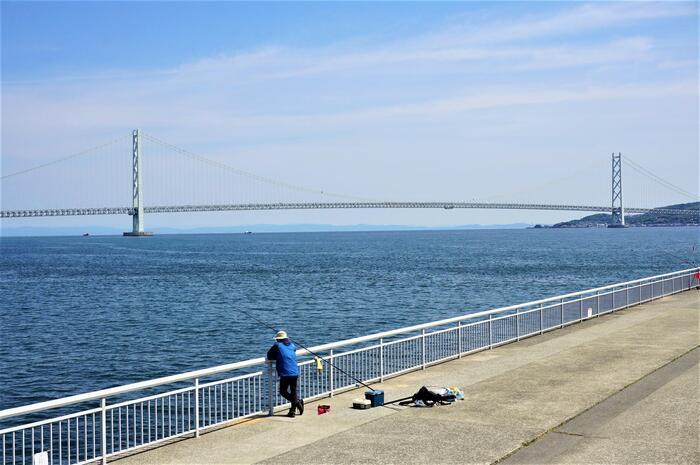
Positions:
{"x": 687, "y": 262}
{"x": 307, "y": 349}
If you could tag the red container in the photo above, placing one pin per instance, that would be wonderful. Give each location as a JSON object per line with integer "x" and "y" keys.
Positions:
{"x": 323, "y": 409}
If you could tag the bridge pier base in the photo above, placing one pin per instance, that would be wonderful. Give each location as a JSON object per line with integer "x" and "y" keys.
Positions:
{"x": 137, "y": 230}
{"x": 138, "y": 233}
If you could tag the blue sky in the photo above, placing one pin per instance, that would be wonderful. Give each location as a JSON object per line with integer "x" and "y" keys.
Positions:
{"x": 391, "y": 100}
{"x": 44, "y": 40}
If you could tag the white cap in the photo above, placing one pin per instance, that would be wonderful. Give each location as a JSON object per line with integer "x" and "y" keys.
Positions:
{"x": 280, "y": 335}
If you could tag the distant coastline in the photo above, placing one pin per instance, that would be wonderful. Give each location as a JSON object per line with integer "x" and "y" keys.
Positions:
{"x": 644, "y": 220}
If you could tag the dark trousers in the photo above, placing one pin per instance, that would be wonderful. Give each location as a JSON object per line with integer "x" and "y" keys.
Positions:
{"x": 288, "y": 388}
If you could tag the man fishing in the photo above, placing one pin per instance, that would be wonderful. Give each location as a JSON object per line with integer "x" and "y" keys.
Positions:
{"x": 283, "y": 352}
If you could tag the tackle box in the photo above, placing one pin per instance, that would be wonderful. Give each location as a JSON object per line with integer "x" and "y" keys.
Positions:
{"x": 376, "y": 397}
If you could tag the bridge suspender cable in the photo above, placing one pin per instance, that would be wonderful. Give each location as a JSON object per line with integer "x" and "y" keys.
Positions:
{"x": 59, "y": 160}
{"x": 649, "y": 174}
{"x": 250, "y": 175}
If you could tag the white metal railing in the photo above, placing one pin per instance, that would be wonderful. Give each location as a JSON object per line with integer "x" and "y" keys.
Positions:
{"x": 196, "y": 402}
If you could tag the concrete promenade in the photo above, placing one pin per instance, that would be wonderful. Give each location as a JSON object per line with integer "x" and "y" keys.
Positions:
{"x": 622, "y": 388}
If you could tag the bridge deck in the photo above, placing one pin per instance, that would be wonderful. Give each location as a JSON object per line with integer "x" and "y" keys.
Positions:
{"x": 622, "y": 388}
{"x": 78, "y": 211}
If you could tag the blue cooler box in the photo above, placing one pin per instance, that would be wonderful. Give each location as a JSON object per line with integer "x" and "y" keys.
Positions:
{"x": 376, "y": 397}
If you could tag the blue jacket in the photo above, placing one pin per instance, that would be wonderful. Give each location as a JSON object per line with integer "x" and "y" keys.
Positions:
{"x": 285, "y": 357}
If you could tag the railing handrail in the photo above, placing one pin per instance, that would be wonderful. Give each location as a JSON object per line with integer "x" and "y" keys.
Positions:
{"x": 117, "y": 390}
{"x": 432, "y": 324}
{"x": 126, "y": 388}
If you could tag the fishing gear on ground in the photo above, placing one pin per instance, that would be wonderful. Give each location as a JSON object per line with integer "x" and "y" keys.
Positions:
{"x": 429, "y": 396}
{"x": 373, "y": 398}
{"x": 426, "y": 396}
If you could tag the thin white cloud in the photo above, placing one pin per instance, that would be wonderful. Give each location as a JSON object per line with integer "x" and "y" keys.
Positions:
{"x": 499, "y": 39}
{"x": 579, "y": 18}
{"x": 484, "y": 99}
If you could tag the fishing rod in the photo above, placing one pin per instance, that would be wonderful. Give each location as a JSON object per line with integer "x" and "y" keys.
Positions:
{"x": 264, "y": 323}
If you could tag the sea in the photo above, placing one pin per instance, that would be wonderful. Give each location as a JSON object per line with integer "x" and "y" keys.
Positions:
{"x": 86, "y": 313}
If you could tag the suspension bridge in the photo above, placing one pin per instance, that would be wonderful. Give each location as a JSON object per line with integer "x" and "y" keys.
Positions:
{"x": 222, "y": 189}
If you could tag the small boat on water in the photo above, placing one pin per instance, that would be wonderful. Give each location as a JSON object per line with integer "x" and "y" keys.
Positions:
{"x": 247, "y": 232}
{"x": 86, "y": 234}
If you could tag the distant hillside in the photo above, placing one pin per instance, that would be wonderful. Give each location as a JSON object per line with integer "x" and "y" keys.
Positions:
{"x": 652, "y": 218}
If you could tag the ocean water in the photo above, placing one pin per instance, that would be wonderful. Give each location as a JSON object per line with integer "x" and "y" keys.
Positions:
{"x": 85, "y": 313}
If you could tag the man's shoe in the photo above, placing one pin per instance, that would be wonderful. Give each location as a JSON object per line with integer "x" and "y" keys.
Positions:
{"x": 290, "y": 414}
{"x": 300, "y": 406}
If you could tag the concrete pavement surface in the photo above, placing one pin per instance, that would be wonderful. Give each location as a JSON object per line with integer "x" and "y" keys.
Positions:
{"x": 655, "y": 420}
{"x": 622, "y": 388}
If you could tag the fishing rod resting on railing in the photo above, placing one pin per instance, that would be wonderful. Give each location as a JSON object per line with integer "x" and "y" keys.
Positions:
{"x": 296, "y": 341}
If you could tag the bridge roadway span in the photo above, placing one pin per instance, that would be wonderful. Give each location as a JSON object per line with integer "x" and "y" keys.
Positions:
{"x": 326, "y": 205}
{"x": 622, "y": 388}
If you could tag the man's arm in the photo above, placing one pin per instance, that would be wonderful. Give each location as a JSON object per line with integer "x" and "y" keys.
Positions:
{"x": 272, "y": 353}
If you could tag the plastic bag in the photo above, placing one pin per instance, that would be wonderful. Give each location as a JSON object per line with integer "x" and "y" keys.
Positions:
{"x": 457, "y": 392}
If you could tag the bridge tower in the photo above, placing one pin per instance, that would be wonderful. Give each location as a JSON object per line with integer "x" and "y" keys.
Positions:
{"x": 618, "y": 210}
{"x": 137, "y": 191}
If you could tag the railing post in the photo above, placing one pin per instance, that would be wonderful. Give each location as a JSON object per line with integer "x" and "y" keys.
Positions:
{"x": 381, "y": 360}
{"x": 422, "y": 339}
{"x": 270, "y": 389}
{"x": 541, "y": 319}
{"x": 490, "y": 333}
{"x": 103, "y": 430}
{"x": 662, "y": 290}
{"x": 517, "y": 324}
{"x": 612, "y": 305}
{"x": 561, "y": 316}
{"x": 580, "y": 308}
{"x": 627, "y": 296}
{"x": 597, "y": 304}
{"x": 459, "y": 339}
{"x": 331, "y": 371}
{"x": 196, "y": 407}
